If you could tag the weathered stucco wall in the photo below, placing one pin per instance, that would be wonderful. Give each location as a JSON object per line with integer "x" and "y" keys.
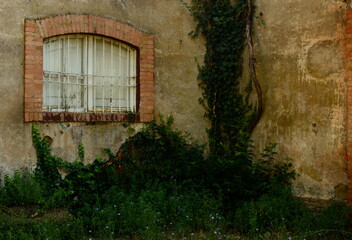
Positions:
{"x": 300, "y": 56}
{"x": 300, "y": 60}
{"x": 176, "y": 90}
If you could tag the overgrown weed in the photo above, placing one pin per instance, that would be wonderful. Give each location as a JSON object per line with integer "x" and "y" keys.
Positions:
{"x": 160, "y": 186}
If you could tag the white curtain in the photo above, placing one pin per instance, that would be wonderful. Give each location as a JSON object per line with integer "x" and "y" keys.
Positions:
{"x": 89, "y": 73}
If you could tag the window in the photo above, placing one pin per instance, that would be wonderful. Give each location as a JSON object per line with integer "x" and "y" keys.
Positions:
{"x": 87, "y": 73}
{"x": 84, "y": 68}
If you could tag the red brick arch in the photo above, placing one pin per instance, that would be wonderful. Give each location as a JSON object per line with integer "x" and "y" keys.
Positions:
{"x": 36, "y": 30}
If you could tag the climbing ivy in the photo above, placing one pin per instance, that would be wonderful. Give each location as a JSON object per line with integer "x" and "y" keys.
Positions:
{"x": 46, "y": 170}
{"x": 223, "y": 25}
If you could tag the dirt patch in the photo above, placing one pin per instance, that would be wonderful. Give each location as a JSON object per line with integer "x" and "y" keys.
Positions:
{"x": 33, "y": 213}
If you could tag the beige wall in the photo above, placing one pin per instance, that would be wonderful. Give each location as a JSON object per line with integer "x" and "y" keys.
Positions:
{"x": 176, "y": 72}
{"x": 300, "y": 61}
{"x": 300, "y": 57}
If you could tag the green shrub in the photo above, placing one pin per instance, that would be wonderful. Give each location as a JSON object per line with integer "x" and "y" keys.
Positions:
{"x": 280, "y": 214}
{"x": 159, "y": 154}
{"x": 163, "y": 163}
{"x": 57, "y": 199}
{"x": 85, "y": 183}
{"x": 333, "y": 222}
{"x": 21, "y": 189}
{"x": 46, "y": 170}
{"x": 270, "y": 212}
{"x": 152, "y": 213}
{"x": 336, "y": 216}
{"x": 160, "y": 186}
{"x": 41, "y": 229}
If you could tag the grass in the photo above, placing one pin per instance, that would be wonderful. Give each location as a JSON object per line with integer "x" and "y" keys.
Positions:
{"x": 159, "y": 213}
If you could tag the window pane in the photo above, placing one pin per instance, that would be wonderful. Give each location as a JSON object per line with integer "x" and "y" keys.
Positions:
{"x": 88, "y": 73}
{"x": 52, "y": 58}
{"x": 52, "y": 68}
{"x": 73, "y": 59}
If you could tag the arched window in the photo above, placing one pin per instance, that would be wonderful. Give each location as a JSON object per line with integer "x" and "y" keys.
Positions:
{"x": 84, "y": 68}
{"x": 88, "y": 73}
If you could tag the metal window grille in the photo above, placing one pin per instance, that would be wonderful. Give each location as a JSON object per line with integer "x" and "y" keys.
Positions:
{"x": 86, "y": 73}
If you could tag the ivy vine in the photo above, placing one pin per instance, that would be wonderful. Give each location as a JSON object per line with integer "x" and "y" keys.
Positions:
{"x": 224, "y": 24}
{"x": 46, "y": 170}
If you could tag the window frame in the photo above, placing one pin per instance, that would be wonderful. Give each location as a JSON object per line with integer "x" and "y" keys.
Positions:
{"x": 116, "y": 90}
{"x": 36, "y": 30}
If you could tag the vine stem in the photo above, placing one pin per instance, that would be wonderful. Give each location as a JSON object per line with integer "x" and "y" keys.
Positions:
{"x": 251, "y": 63}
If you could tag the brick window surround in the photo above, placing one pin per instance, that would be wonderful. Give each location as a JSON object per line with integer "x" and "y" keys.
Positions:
{"x": 36, "y": 30}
